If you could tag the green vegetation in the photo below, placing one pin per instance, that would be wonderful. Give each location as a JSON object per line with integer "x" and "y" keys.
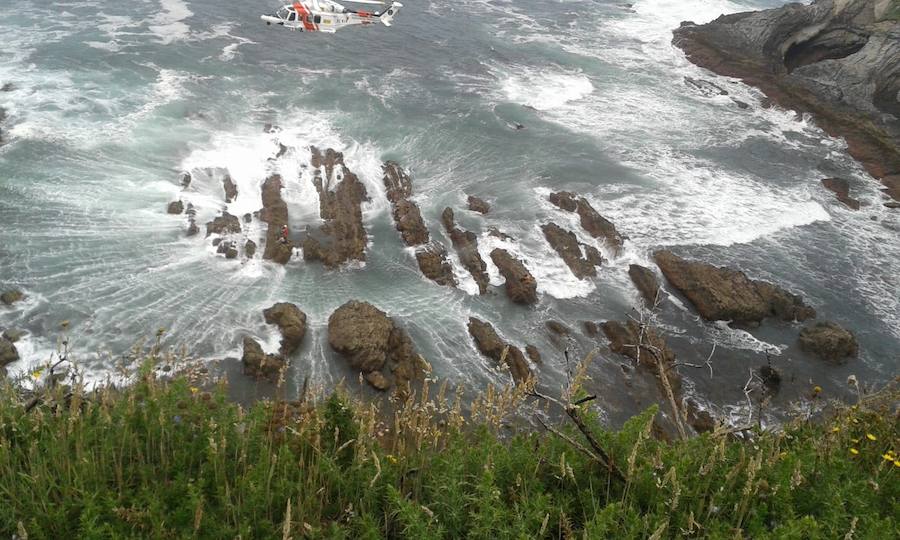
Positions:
{"x": 166, "y": 460}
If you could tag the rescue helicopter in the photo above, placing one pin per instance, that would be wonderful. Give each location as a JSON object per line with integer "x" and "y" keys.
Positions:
{"x": 329, "y": 16}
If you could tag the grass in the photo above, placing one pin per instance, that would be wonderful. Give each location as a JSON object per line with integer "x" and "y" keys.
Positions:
{"x": 166, "y": 460}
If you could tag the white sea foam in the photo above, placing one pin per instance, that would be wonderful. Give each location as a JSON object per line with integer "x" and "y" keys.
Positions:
{"x": 168, "y": 25}
{"x": 546, "y": 90}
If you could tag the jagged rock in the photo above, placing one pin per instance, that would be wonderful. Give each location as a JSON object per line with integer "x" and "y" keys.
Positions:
{"x": 291, "y": 321}
{"x": 490, "y": 344}
{"x": 217, "y": 242}
{"x": 521, "y": 287}
{"x": 224, "y": 224}
{"x": 841, "y": 190}
{"x": 466, "y": 245}
{"x": 11, "y": 297}
{"x": 7, "y": 87}
{"x": 282, "y": 150}
{"x": 707, "y": 88}
{"x": 497, "y": 233}
{"x": 370, "y": 340}
{"x": 192, "y": 228}
{"x": 248, "y": 218}
{"x": 828, "y": 341}
{"x": 478, "y": 205}
{"x": 231, "y": 190}
{"x": 250, "y": 249}
{"x": 192, "y": 220}
{"x": 836, "y": 59}
{"x": 340, "y": 208}
{"x": 258, "y": 363}
{"x": 591, "y": 329}
{"x": 558, "y": 328}
{"x": 434, "y": 264}
{"x": 892, "y": 204}
{"x": 175, "y": 207}
{"x": 645, "y": 281}
{"x": 591, "y": 221}
{"x": 231, "y": 252}
{"x": 533, "y": 354}
{"x": 275, "y": 214}
{"x": 409, "y": 222}
{"x": 724, "y": 294}
{"x": 567, "y": 246}
{"x": 397, "y": 183}
{"x": 8, "y": 352}
{"x": 186, "y": 180}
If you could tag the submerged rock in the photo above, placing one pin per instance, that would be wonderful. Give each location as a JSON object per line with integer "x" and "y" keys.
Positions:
{"x": 466, "y": 245}
{"x": 185, "y": 180}
{"x": 627, "y": 339}
{"x": 591, "y": 221}
{"x": 291, "y": 322}
{"x": 275, "y": 214}
{"x": 478, "y": 205}
{"x": 175, "y": 207}
{"x": 224, "y": 224}
{"x": 645, "y": 281}
{"x": 828, "y": 341}
{"x": 566, "y": 244}
{"x": 434, "y": 264}
{"x": 490, "y": 344}
{"x": 374, "y": 344}
{"x": 521, "y": 287}
{"x": 250, "y": 249}
{"x": 841, "y": 190}
{"x": 723, "y": 294}
{"x": 258, "y": 363}
{"x": 12, "y": 296}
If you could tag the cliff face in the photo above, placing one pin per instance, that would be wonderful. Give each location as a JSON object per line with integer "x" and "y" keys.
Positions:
{"x": 837, "y": 59}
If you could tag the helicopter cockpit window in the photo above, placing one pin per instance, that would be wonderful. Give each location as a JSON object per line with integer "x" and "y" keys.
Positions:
{"x": 293, "y": 16}
{"x": 317, "y": 19}
{"x": 283, "y": 13}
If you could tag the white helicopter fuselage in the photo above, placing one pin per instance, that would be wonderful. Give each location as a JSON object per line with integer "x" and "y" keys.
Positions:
{"x": 328, "y": 16}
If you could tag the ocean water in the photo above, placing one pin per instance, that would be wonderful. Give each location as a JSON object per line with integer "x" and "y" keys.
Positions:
{"x": 112, "y": 101}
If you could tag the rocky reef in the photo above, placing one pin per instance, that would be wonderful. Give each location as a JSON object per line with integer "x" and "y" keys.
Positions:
{"x": 521, "y": 287}
{"x": 275, "y": 214}
{"x": 491, "y": 345}
{"x": 836, "y": 59}
{"x": 582, "y": 259}
{"x": 466, "y": 245}
{"x": 724, "y": 294}
{"x": 828, "y": 341}
{"x": 591, "y": 221}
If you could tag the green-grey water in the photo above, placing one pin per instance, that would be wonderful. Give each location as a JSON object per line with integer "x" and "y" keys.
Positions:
{"x": 112, "y": 101}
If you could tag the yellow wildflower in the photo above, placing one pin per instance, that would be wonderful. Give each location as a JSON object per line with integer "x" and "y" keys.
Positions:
{"x": 817, "y": 389}
{"x": 835, "y": 429}
{"x": 855, "y": 441}
{"x": 897, "y": 462}
{"x": 194, "y": 389}
{"x": 888, "y": 457}
{"x": 36, "y": 374}
{"x": 854, "y": 451}
{"x": 871, "y": 437}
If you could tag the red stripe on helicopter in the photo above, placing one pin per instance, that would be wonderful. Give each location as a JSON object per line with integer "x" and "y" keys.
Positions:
{"x": 304, "y": 16}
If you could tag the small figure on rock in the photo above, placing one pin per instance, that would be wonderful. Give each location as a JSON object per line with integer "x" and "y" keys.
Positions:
{"x": 284, "y": 234}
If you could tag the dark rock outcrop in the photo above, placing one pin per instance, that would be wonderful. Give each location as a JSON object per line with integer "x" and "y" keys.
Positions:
{"x": 291, "y": 322}
{"x": 231, "y": 190}
{"x": 341, "y": 195}
{"x": 191, "y": 212}
{"x": 628, "y": 340}
{"x": 374, "y": 344}
{"x": 12, "y": 335}
{"x": 466, "y": 245}
{"x": 497, "y": 233}
{"x": 478, "y": 205}
{"x": 250, "y": 249}
{"x": 186, "y": 180}
{"x": 8, "y": 352}
{"x": 258, "y": 363}
{"x": 699, "y": 419}
{"x": 490, "y": 344}
{"x": 407, "y": 216}
{"x": 729, "y": 295}
{"x": 533, "y": 354}
{"x": 645, "y": 281}
{"x": 175, "y": 207}
{"x": 275, "y": 214}
{"x": 567, "y": 246}
{"x": 841, "y": 190}
{"x": 11, "y": 297}
{"x": 828, "y": 341}
{"x": 224, "y": 224}
{"x": 521, "y": 287}
{"x": 434, "y": 264}
{"x": 591, "y": 221}
{"x": 836, "y": 59}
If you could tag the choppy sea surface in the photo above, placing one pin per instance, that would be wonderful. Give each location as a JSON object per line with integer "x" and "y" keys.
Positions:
{"x": 112, "y": 101}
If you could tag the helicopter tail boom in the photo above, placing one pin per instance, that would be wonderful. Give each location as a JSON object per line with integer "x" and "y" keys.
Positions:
{"x": 388, "y": 15}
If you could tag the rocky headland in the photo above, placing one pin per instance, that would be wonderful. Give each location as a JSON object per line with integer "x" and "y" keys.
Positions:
{"x": 836, "y": 59}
